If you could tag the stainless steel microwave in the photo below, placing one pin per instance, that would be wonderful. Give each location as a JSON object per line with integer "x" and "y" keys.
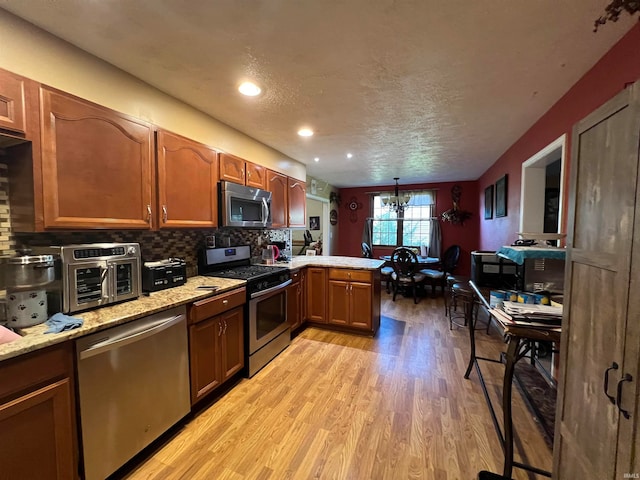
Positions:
{"x": 94, "y": 275}
{"x": 242, "y": 206}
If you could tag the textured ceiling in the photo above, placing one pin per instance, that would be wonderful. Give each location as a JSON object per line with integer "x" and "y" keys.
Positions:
{"x": 425, "y": 90}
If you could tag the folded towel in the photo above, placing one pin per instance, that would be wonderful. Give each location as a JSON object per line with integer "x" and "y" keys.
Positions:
{"x": 60, "y": 322}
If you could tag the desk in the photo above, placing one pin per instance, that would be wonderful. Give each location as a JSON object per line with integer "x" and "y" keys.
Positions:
{"x": 520, "y": 340}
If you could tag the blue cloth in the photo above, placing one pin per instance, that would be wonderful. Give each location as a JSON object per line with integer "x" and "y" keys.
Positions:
{"x": 519, "y": 254}
{"x": 61, "y": 322}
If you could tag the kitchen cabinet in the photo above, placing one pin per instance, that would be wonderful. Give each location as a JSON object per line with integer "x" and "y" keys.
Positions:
{"x": 278, "y": 185}
{"x": 351, "y": 298}
{"x": 13, "y": 117}
{"x": 237, "y": 170}
{"x": 597, "y": 425}
{"x": 216, "y": 342}
{"x": 187, "y": 182}
{"x": 295, "y": 300}
{"x": 96, "y": 166}
{"x": 296, "y": 203}
{"x": 316, "y": 294}
{"x": 37, "y": 415}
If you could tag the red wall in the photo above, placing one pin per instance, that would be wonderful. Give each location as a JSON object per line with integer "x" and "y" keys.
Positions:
{"x": 617, "y": 68}
{"x": 350, "y": 232}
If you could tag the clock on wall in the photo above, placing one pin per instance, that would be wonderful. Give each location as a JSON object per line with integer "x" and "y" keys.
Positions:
{"x": 353, "y": 206}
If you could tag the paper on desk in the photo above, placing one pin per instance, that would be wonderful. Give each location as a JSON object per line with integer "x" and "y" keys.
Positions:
{"x": 525, "y": 309}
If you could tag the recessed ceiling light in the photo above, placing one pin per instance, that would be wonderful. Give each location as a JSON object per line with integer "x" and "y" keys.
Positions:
{"x": 305, "y": 132}
{"x": 249, "y": 89}
{"x": 317, "y": 159}
{"x": 349, "y": 155}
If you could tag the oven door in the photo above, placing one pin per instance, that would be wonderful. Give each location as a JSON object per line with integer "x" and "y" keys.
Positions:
{"x": 88, "y": 286}
{"x": 124, "y": 278}
{"x": 267, "y": 316}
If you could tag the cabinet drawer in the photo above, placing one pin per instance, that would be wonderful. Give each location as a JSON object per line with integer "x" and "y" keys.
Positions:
{"x": 296, "y": 275}
{"x": 210, "y": 307}
{"x": 354, "y": 275}
{"x": 22, "y": 373}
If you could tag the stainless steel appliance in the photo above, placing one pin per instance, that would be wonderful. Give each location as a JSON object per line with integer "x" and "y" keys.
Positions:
{"x": 94, "y": 275}
{"x": 133, "y": 383}
{"x": 267, "y": 332}
{"x": 25, "y": 278}
{"x": 242, "y": 206}
{"x": 163, "y": 274}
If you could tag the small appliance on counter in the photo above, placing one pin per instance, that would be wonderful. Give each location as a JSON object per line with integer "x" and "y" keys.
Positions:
{"x": 163, "y": 274}
{"x": 25, "y": 278}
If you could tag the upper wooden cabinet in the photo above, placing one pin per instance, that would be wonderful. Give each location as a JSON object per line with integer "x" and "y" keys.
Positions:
{"x": 12, "y": 102}
{"x": 277, "y": 184}
{"x": 297, "y": 203}
{"x": 187, "y": 177}
{"x": 237, "y": 170}
{"x": 96, "y": 166}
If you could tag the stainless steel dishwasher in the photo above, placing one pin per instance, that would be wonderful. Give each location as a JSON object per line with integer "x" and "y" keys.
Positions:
{"x": 133, "y": 383}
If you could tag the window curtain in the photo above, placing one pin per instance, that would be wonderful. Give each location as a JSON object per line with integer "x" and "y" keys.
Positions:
{"x": 435, "y": 239}
{"x": 367, "y": 235}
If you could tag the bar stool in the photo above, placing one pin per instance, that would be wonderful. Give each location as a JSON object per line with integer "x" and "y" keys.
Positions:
{"x": 484, "y": 475}
{"x": 461, "y": 292}
{"x": 448, "y": 297}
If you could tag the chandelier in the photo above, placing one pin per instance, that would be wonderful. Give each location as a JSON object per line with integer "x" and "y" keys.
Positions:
{"x": 398, "y": 201}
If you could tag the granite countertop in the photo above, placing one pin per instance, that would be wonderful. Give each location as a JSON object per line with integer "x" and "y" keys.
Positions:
{"x": 94, "y": 320}
{"x": 333, "y": 261}
{"x": 34, "y": 338}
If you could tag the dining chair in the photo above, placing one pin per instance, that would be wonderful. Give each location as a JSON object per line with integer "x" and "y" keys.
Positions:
{"x": 405, "y": 274}
{"x": 447, "y": 266}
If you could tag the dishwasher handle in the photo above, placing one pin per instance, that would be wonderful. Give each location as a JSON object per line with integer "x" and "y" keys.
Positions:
{"x": 127, "y": 337}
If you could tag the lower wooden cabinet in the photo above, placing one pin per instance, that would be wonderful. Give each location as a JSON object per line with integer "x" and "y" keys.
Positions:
{"x": 296, "y": 315}
{"x": 37, "y": 416}
{"x": 216, "y": 351}
{"x": 316, "y": 294}
{"x": 351, "y": 298}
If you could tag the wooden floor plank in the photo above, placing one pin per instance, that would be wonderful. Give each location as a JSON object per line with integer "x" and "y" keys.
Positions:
{"x": 336, "y": 405}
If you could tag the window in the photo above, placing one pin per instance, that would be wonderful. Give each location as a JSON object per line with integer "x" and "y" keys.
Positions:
{"x": 410, "y": 226}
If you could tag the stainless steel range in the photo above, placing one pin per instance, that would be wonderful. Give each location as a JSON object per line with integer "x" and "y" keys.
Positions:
{"x": 267, "y": 332}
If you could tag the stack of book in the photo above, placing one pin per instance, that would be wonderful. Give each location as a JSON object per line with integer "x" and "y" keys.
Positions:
{"x": 531, "y": 315}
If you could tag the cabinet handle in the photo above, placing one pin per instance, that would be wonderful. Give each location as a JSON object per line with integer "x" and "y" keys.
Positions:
{"x": 351, "y": 287}
{"x": 224, "y": 302}
{"x": 614, "y": 366}
{"x": 224, "y": 332}
{"x": 626, "y": 378}
{"x": 164, "y": 213}
{"x": 219, "y": 329}
{"x": 149, "y": 214}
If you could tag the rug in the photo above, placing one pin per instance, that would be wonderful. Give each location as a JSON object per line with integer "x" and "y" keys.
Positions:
{"x": 539, "y": 396}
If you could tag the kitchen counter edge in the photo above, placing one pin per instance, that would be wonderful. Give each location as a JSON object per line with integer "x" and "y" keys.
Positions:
{"x": 95, "y": 320}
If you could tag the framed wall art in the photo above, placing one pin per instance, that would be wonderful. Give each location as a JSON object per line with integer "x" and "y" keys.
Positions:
{"x": 488, "y": 202}
{"x": 501, "y": 197}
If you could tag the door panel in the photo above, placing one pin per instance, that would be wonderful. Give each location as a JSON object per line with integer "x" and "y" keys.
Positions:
{"x": 339, "y": 298}
{"x": 361, "y": 312}
{"x": 232, "y": 351}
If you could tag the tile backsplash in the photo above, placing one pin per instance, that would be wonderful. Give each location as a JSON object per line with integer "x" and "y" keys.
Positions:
{"x": 154, "y": 245}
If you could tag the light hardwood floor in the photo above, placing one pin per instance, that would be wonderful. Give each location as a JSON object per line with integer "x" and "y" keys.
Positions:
{"x": 340, "y": 406}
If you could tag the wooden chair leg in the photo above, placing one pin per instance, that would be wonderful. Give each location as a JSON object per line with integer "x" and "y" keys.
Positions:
{"x": 395, "y": 290}
{"x": 415, "y": 293}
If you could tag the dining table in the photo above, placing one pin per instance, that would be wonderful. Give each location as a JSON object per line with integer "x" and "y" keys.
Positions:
{"x": 421, "y": 260}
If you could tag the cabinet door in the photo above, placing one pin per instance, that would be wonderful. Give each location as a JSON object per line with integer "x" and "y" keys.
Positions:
{"x": 303, "y": 296}
{"x": 591, "y": 435}
{"x": 297, "y": 203}
{"x": 316, "y": 295}
{"x": 232, "y": 345}
{"x": 256, "y": 175}
{"x": 339, "y": 297}
{"x": 204, "y": 346}
{"x": 277, "y": 185}
{"x": 293, "y": 305}
{"x": 232, "y": 168}
{"x": 96, "y": 166}
{"x": 37, "y": 435}
{"x": 187, "y": 177}
{"x": 12, "y": 102}
{"x": 360, "y": 311}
